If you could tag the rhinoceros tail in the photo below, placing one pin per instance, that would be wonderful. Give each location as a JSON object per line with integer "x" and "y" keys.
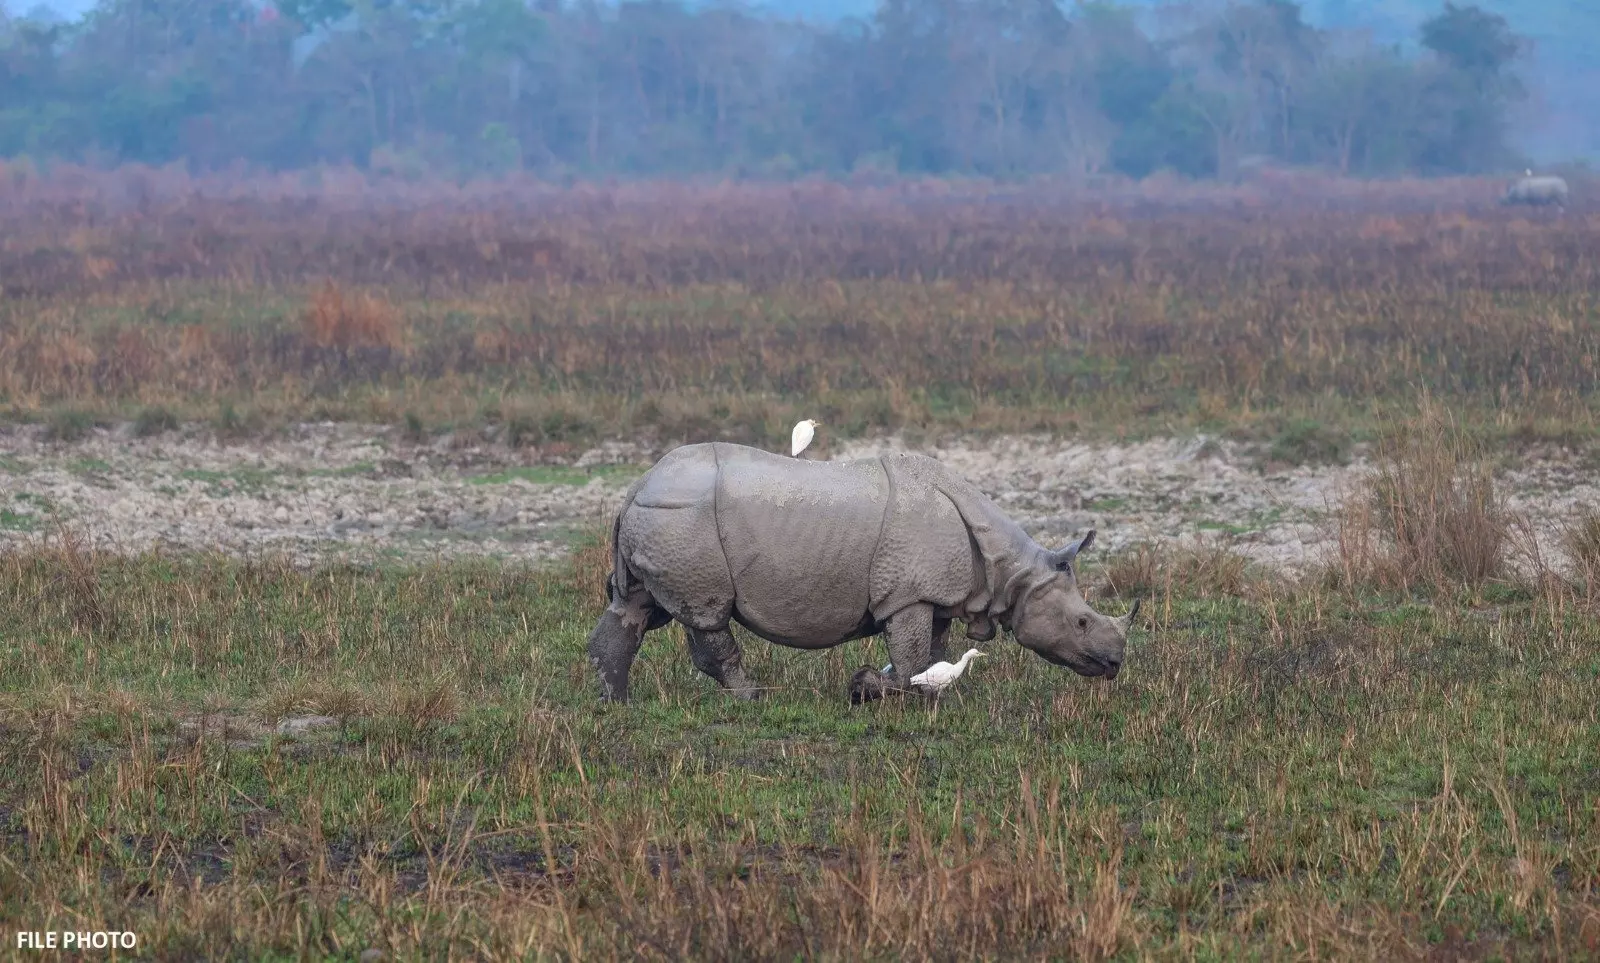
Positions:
{"x": 621, "y": 582}
{"x": 622, "y": 586}
{"x": 618, "y": 569}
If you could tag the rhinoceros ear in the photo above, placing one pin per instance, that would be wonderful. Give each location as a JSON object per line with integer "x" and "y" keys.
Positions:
{"x": 1064, "y": 558}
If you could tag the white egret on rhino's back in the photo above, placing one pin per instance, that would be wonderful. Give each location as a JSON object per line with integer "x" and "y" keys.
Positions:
{"x": 802, "y": 435}
{"x": 940, "y": 675}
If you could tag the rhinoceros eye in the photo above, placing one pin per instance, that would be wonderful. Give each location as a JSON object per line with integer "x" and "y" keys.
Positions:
{"x": 1083, "y": 621}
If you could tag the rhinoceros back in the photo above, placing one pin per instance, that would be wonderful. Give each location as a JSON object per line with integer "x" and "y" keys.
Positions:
{"x": 784, "y": 545}
{"x": 800, "y": 537}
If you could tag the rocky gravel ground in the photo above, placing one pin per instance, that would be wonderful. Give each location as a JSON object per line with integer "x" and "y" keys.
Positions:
{"x": 1209, "y": 491}
{"x": 318, "y": 493}
{"x": 327, "y": 492}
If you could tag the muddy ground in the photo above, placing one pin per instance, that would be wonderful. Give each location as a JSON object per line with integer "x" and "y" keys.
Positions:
{"x": 326, "y": 492}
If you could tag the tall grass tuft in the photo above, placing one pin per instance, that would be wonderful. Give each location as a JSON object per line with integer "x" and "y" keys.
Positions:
{"x": 68, "y": 424}
{"x": 590, "y": 563}
{"x": 1145, "y": 570}
{"x": 1429, "y": 515}
{"x": 154, "y": 420}
{"x": 1581, "y": 539}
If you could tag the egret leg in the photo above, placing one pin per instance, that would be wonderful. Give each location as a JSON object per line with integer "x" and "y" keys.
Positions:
{"x": 615, "y": 641}
{"x": 910, "y": 632}
{"x": 718, "y": 655}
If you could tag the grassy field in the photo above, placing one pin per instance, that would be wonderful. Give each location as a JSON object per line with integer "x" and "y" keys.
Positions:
{"x": 1280, "y": 773}
{"x": 1397, "y": 759}
{"x": 732, "y": 312}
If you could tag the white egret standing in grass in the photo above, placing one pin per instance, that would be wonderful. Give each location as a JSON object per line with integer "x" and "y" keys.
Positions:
{"x": 802, "y": 435}
{"x": 940, "y": 675}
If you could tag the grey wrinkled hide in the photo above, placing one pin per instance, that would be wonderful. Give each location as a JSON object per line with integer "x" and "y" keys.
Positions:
{"x": 1537, "y": 192}
{"x": 811, "y": 554}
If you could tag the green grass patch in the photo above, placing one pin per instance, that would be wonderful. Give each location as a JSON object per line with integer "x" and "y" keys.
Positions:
{"x": 346, "y": 471}
{"x": 89, "y": 466}
{"x": 1256, "y": 522}
{"x": 154, "y": 420}
{"x": 1260, "y": 765}
{"x": 41, "y": 503}
{"x": 1306, "y": 441}
{"x": 17, "y": 521}
{"x": 68, "y": 424}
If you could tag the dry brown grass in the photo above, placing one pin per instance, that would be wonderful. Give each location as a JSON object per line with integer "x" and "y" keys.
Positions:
{"x": 1429, "y": 515}
{"x": 343, "y": 321}
{"x": 1581, "y": 539}
{"x": 1145, "y": 571}
{"x": 693, "y": 311}
{"x": 1008, "y": 884}
{"x": 590, "y": 563}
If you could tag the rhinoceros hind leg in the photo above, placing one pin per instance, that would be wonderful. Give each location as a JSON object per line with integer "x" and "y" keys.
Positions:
{"x": 717, "y": 654}
{"x": 616, "y": 638}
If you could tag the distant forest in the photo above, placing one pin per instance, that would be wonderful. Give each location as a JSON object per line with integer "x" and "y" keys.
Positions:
{"x": 999, "y": 88}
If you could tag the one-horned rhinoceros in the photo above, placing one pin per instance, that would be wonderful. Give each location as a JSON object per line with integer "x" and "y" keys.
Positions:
{"x": 1537, "y": 192}
{"x": 811, "y": 554}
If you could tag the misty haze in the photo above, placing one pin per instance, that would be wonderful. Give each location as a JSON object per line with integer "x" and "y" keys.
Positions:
{"x": 1020, "y": 87}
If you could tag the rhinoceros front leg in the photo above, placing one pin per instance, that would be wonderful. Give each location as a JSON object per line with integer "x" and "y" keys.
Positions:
{"x": 910, "y": 632}
{"x": 718, "y": 655}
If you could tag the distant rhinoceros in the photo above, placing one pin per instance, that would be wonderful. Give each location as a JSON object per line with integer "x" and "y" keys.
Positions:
{"x": 1537, "y": 191}
{"x": 811, "y": 554}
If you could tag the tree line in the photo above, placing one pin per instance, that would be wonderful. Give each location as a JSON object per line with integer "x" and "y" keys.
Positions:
{"x": 655, "y": 87}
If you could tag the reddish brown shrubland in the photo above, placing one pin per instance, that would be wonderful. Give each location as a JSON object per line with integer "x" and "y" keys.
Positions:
{"x": 725, "y": 310}
{"x": 334, "y": 319}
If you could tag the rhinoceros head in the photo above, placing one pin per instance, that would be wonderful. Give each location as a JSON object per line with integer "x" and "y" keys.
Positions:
{"x": 1052, "y": 619}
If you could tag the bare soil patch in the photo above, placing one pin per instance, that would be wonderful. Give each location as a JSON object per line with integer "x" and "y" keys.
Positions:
{"x": 342, "y": 492}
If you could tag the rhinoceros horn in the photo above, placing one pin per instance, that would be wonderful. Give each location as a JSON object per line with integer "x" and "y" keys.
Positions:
{"x": 1125, "y": 622}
